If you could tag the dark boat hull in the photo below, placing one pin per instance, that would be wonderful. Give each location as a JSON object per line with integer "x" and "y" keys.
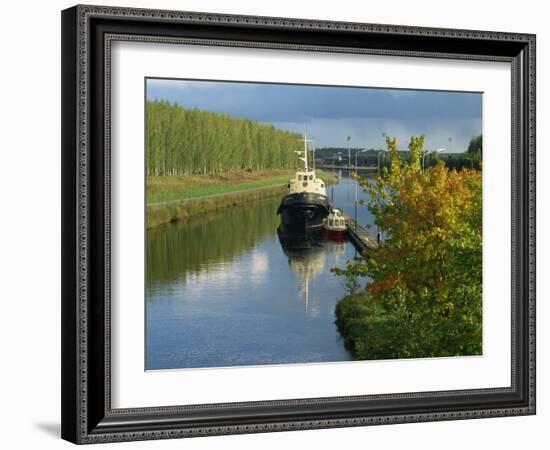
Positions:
{"x": 304, "y": 210}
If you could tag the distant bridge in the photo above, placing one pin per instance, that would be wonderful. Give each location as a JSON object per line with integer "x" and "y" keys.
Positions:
{"x": 362, "y": 168}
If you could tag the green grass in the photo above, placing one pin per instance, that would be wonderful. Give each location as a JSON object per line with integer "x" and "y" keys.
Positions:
{"x": 200, "y": 194}
{"x": 160, "y": 213}
{"x": 164, "y": 189}
{"x": 204, "y": 191}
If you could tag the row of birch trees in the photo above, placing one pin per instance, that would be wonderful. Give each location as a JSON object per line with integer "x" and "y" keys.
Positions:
{"x": 182, "y": 141}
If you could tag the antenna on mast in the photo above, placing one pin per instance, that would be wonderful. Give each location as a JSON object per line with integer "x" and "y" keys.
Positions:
{"x": 304, "y": 159}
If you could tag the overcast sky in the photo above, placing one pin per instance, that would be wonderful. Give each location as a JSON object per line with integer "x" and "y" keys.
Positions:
{"x": 330, "y": 114}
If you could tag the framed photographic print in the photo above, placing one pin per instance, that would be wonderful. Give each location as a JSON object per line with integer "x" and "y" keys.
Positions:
{"x": 278, "y": 224}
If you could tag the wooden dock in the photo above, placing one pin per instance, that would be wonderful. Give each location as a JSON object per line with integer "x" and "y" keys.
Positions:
{"x": 359, "y": 235}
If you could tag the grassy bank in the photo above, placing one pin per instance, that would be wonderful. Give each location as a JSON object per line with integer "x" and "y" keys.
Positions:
{"x": 169, "y": 188}
{"x": 172, "y": 211}
{"x": 374, "y": 329}
{"x": 369, "y": 331}
{"x": 172, "y": 198}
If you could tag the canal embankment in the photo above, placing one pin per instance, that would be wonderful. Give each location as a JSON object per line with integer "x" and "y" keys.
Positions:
{"x": 170, "y": 199}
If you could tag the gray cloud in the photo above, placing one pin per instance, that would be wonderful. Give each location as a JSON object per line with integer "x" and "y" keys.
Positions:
{"x": 331, "y": 113}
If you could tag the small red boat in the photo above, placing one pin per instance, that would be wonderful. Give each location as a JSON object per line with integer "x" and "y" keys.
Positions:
{"x": 334, "y": 226}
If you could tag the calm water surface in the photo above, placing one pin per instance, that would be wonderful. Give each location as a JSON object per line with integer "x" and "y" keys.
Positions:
{"x": 227, "y": 290}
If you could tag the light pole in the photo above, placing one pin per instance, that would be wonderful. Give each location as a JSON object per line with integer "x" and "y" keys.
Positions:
{"x": 379, "y": 153}
{"x": 361, "y": 150}
{"x": 356, "y": 200}
{"x": 313, "y": 150}
{"x": 356, "y": 183}
{"x": 349, "y": 150}
{"x": 438, "y": 150}
{"x": 378, "y": 231}
{"x": 334, "y": 155}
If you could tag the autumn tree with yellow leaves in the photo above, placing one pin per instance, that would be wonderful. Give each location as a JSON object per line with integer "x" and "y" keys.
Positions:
{"x": 423, "y": 297}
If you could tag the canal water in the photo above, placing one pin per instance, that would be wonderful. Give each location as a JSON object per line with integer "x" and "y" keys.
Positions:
{"x": 228, "y": 290}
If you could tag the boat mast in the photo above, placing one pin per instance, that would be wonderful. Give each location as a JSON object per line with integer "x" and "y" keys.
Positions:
{"x": 304, "y": 159}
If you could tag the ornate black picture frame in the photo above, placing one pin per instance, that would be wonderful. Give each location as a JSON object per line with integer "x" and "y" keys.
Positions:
{"x": 87, "y": 33}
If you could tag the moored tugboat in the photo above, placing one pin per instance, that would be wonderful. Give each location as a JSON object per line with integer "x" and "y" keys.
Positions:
{"x": 306, "y": 204}
{"x": 334, "y": 226}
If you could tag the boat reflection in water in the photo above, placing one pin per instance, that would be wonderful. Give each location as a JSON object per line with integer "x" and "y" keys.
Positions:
{"x": 307, "y": 252}
{"x": 226, "y": 289}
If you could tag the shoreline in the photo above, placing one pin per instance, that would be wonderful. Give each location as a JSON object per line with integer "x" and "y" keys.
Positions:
{"x": 172, "y": 210}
